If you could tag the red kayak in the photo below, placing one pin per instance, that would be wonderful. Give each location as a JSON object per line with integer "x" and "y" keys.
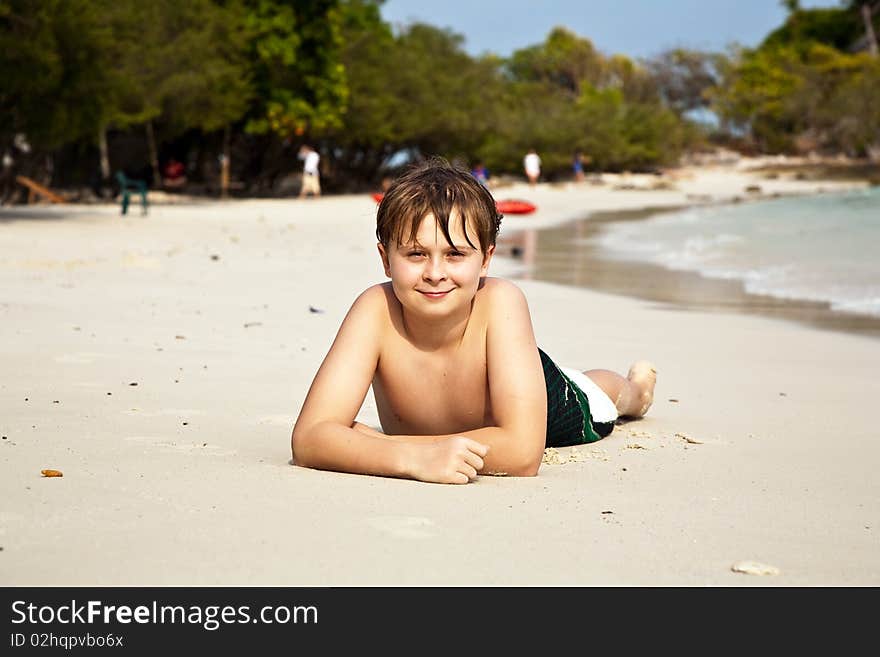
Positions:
{"x": 515, "y": 207}
{"x": 509, "y": 206}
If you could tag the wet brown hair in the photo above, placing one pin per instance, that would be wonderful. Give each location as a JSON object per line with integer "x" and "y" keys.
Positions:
{"x": 436, "y": 187}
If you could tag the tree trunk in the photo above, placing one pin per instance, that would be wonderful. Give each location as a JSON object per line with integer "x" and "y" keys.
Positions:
{"x": 154, "y": 156}
{"x": 869, "y": 29}
{"x": 105, "y": 158}
{"x": 224, "y": 165}
{"x": 873, "y": 149}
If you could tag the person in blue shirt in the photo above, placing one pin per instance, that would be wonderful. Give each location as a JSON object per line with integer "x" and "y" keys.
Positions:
{"x": 481, "y": 173}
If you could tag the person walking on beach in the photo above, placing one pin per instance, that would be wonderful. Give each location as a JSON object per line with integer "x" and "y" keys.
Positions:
{"x": 577, "y": 166}
{"x": 461, "y": 387}
{"x": 532, "y": 166}
{"x": 311, "y": 179}
{"x": 481, "y": 173}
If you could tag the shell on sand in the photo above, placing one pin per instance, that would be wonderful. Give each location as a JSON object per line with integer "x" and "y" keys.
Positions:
{"x": 754, "y": 568}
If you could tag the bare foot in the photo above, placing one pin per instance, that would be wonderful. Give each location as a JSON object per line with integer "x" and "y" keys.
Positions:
{"x": 643, "y": 374}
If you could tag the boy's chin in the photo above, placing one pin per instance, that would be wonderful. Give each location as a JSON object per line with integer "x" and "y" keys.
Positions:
{"x": 433, "y": 306}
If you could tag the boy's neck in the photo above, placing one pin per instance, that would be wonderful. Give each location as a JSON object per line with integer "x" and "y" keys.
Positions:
{"x": 428, "y": 334}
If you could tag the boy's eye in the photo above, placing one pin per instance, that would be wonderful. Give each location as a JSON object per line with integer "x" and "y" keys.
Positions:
{"x": 456, "y": 254}
{"x": 414, "y": 254}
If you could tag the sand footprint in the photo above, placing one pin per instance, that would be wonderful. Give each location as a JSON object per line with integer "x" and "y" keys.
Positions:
{"x": 169, "y": 447}
{"x": 195, "y": 448}
{"x": 144, "y": 439}
{"x": 278, "y": 420}
{"x": 180, "y": 412}
{"x": 79, "y": 358}
{"x": 138, "y": 261}
{"x": 411, "y": 527}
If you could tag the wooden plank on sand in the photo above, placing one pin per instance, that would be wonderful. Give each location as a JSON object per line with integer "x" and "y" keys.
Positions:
{"x": 36, "y": 188}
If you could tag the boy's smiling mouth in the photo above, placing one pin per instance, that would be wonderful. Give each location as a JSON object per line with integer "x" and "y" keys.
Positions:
{"x": 434, "y": 294}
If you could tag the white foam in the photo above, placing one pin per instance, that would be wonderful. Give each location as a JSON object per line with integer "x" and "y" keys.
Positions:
{"x": 818, "y": 248}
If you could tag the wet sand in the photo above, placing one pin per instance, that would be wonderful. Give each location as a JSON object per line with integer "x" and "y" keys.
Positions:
{"x": 568, "y": 254}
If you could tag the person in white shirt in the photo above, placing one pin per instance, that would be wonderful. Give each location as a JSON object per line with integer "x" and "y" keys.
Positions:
{"x": 532, "y": 165}
{"x": 311, "y": 180}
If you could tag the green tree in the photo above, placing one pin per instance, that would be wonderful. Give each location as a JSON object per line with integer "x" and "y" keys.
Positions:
{"x": 300, "y": 81}
{"x": 444, "y": 96}
{"x": 565, "y": 96}
{"x": 416, "y": 89}
{"x": 835, "y": 27}
{"x": 683, "y": 77}
{"x": 756, "y": 96}
{"x": 185, "y": 67}
{"x": 564, "y": 60}
{"x": 853, "y": 112}
{"x": 194, "y": 72}
{"x": 56, "y": 63}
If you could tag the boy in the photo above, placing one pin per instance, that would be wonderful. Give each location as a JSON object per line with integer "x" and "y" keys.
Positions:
{"x": 461, "y": 387}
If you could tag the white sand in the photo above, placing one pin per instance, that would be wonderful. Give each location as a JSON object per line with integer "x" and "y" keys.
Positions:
{"x": 184, "y": 478}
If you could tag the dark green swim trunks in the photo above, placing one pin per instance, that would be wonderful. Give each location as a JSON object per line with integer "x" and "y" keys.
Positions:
{"x": 568, "y": 410}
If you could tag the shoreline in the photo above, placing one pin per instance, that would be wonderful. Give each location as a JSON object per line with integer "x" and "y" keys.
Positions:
{"x": 554, "y": 249}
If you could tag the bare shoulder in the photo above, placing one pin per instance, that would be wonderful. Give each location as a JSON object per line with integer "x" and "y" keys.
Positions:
{"x": 373, "y": 295}
{"x": 494, "y": 287}
{"x": 367, "y": 318}
{"x": 501, "y": 295}
{"x": 373, "y": 303}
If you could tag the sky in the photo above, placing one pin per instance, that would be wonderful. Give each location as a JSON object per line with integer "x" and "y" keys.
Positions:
{"x": 637, "y": 28}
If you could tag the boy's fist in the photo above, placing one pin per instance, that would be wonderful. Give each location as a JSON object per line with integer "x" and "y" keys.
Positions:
{"x": 455, "y": 460}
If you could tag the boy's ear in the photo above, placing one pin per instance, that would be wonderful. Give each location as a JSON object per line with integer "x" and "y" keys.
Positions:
{"x": 384, "y": 257}
{"x": 487, "y": 257}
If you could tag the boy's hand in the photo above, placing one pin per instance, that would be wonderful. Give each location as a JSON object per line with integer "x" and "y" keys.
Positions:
{"x": 454, "y": 460}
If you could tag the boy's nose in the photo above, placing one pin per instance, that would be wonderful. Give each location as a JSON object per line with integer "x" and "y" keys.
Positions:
{"x": 434, "y": 270}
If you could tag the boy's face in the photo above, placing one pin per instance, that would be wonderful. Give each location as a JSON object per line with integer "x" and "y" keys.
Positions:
{"x": 431, "y": 276}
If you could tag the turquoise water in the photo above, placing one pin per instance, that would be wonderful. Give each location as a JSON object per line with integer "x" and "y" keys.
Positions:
{"x": 823, "y": 248}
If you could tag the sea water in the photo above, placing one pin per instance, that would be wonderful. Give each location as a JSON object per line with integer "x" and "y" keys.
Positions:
{"x": 823, "y": 248}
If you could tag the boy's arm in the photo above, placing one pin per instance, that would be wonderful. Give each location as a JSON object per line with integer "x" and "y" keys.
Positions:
{"x": 323, "y": 436}
{"x": 516, "y": 387}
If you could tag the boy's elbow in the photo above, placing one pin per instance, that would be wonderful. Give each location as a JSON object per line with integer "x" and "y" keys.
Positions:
{"x": 530, "y": 456}
{"x": 309, "y": 444}
{"x": 293, "y": 444}
{"x": 524, "y": 464}
{"x": 299, "y": 449}
{"x": 526, "y": 470}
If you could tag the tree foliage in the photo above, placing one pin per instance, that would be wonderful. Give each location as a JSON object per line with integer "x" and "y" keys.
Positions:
{"x": 57, "y": 66}
{"x": 274, "y": 73}
{"x": 806, "y": 87}
{"x": 684, "y": 77}
{"x": 294, "y": 51}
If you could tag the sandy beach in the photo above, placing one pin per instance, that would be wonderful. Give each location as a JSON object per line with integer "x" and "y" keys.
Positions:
{"x": 159, "y": 362}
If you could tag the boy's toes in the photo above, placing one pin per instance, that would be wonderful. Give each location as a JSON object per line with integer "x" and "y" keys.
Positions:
{"x": 644, "y": 374}
{"x": 642, "y": 370}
